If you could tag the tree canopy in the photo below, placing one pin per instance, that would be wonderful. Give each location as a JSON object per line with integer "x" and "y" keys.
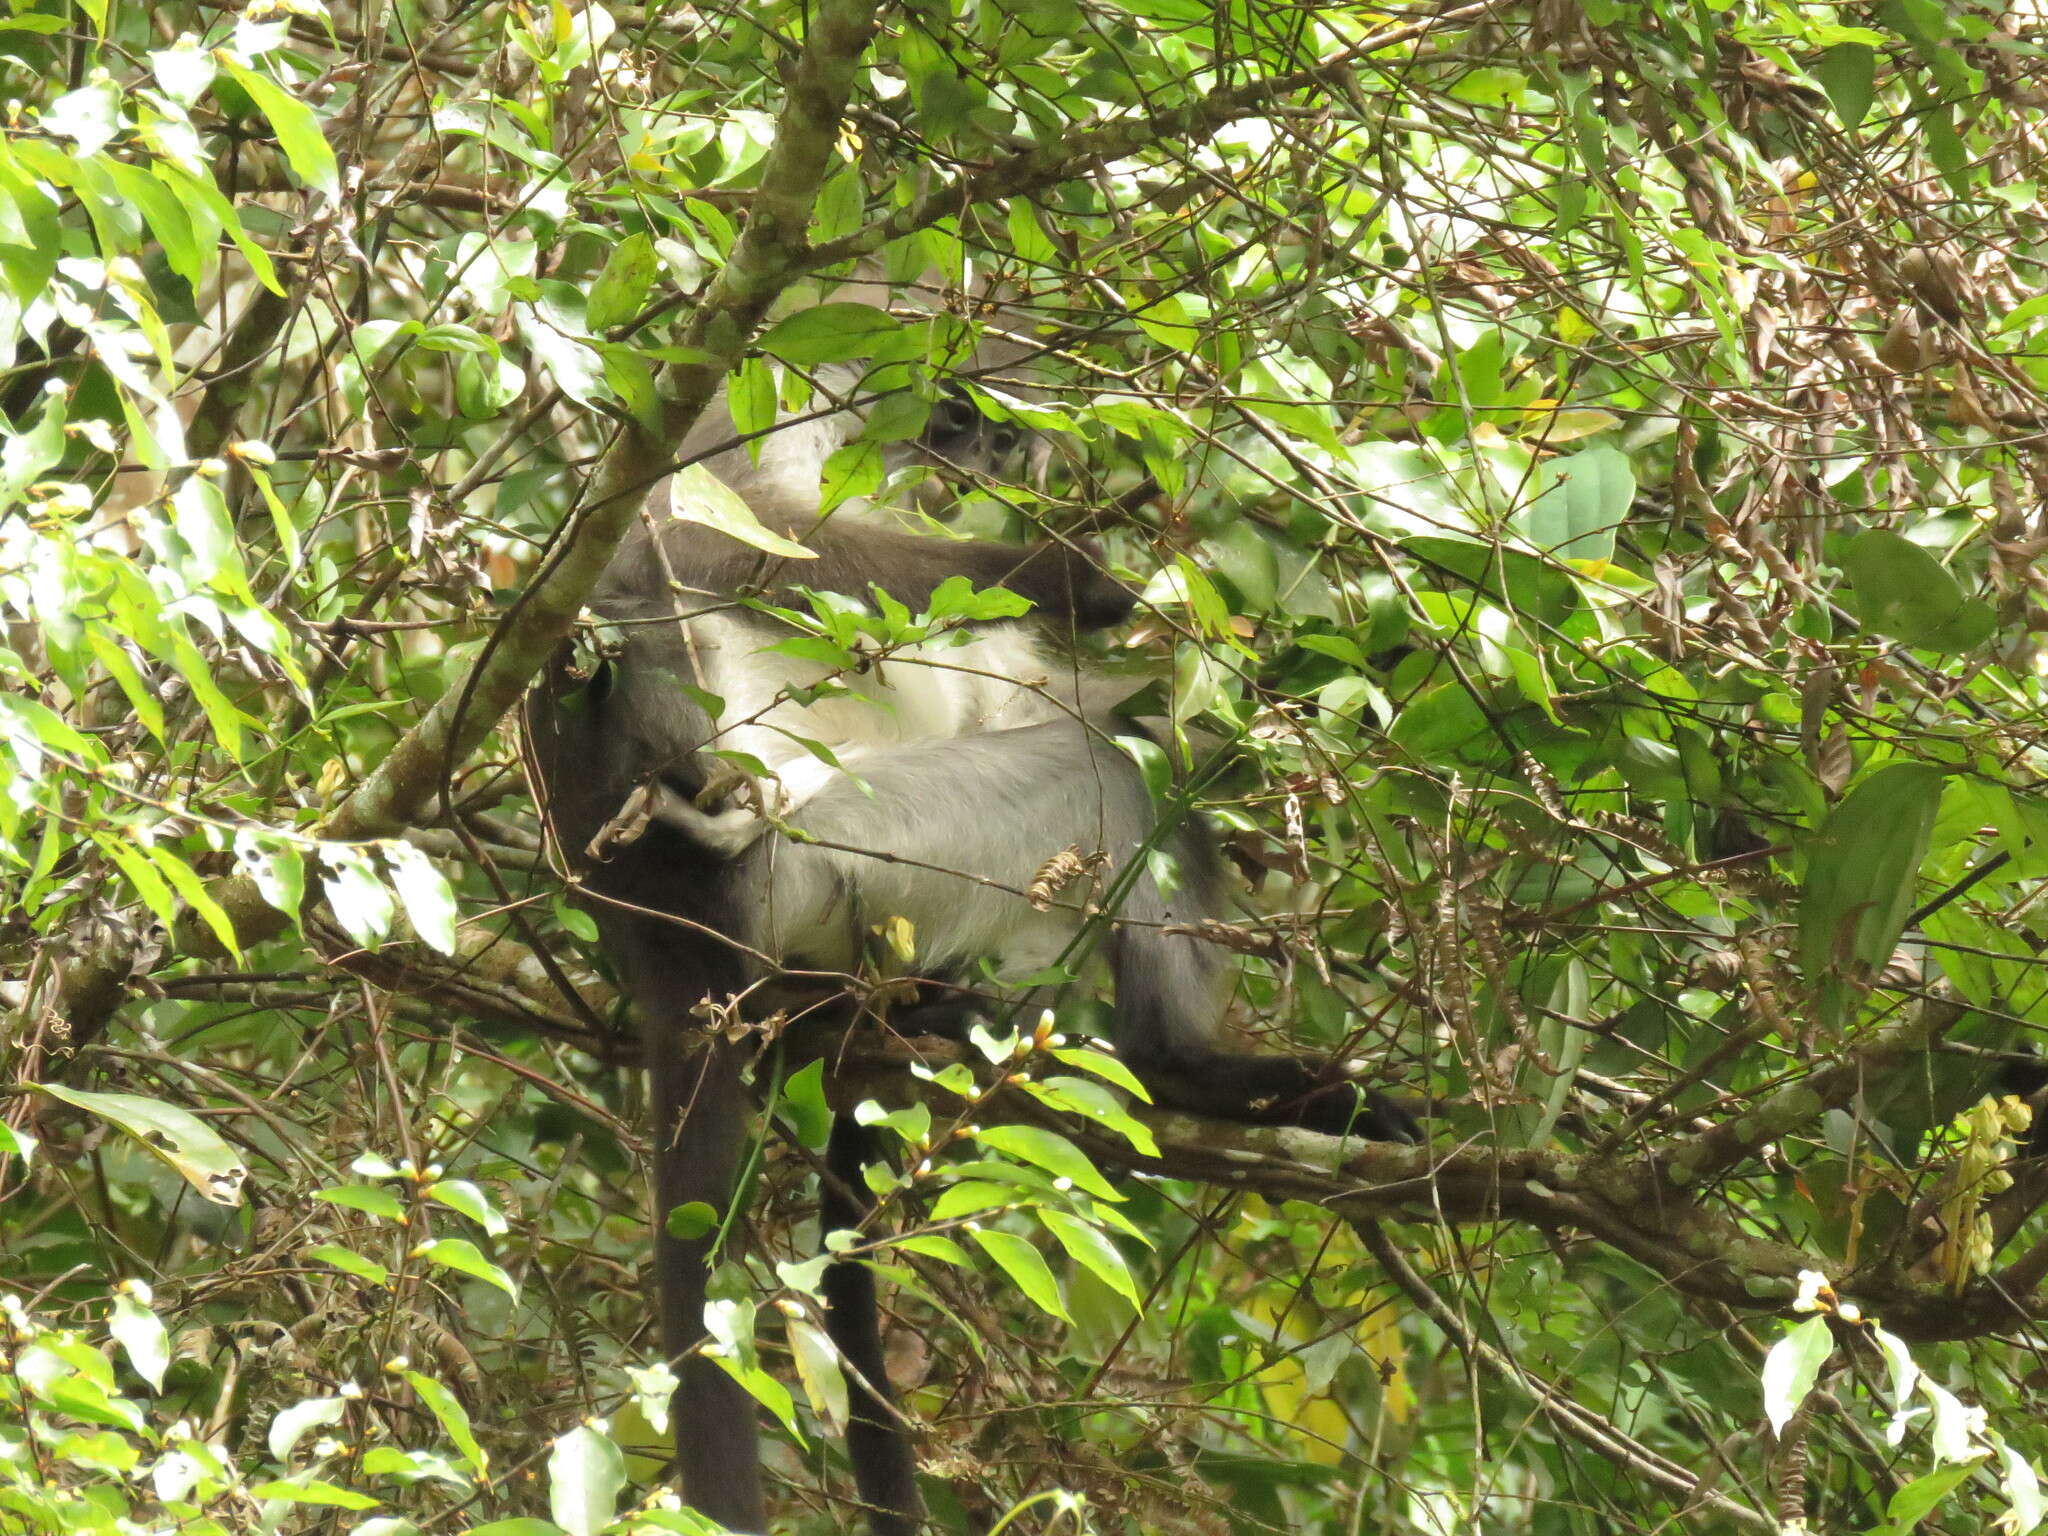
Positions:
{"x": 1584, "y": 464}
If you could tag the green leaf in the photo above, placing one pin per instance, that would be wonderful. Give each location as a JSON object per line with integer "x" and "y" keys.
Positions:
{"x": 121, "y": 667}
{"x": 313, "y": 1491}
{"x": 631, "y": 377}
{"x": 200, "y": 191}
{"x": 621, "y": 289}
{"x": 1848, "y": 73}
{"x": 698, "y": 496}
{"x": 855, "y": 470}
{"x": 90, "y": 117}
{"x": 575, "y": 920}
{"x": 177, "y": 1136}
{"x": 1581, "y": 501}
{"x": 691, "y": 1219}
{"x": 1792, "y": 1367}
{"x": 972, "y": 1196}
{"x": 1092, "y": 1101}
{"x": 817, "y": 1367}
{"x": 932, "y": 1246}
{"x": 1021, "y": 1262}
{"x": 454, "y": 1419}
{"x": 1900, "y": 590}
{"x": 305, "y": 147}
{"x": 183, "y": 71}
{"x": 141, "y": 1335}
{"x": 293, "y": 1423}
{"x": 750, "y": 399}
{"x": 1091, "y": 1248}
{"x": 365, "y": 1198}
{"x": 1861, "y": 866}
{"x": 49, "y": 727}
{"x": 1048, "y": 1150}
{"x": 355, "y": 895}
{"x": 349, "y": 1263}
{"x": 1919, "y": 1498}
{"x": 1168, "y": 321}
{"x": 803, "y": 1104}
{"x": 196, "y": 896}
{"x": 409, "y": 1467}
{"x": 833, "y": 333}
{"x": 148, "y": 881}
{"x": 278, "y": 869}
{"x": 461, "y": 1255}
{"x": 576, "y": 367}
{"x": 461, "y": 1195}
{"x": 167, "y": 218}
{"x": 1517, "y": 580}
{"x": 1103, "y": 1065}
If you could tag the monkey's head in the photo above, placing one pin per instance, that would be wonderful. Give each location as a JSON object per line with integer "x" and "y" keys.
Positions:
{"x": 963, "y": 444}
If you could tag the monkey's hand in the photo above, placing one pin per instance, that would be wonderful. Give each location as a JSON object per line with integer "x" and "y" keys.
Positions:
{"x": 726, "y": 781}
{"x": 1347, "y": 1107}
{"x": 1068, "y": 584}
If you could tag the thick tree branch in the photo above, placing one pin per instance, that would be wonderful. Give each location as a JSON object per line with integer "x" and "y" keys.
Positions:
{"x": 1798, "y": 1104}
{"x": 1624, "y": 1203}
{"x": 765, "y": 259}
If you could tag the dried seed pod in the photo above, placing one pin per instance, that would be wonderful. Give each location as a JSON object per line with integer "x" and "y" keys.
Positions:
{"x": 1936, "y": 278}
{"x": 1906, "y": 347}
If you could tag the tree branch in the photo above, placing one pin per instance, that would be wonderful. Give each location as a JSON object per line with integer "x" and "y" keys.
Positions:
{"x": 1625, "y": 1203}
{"x": 766, "y": 258}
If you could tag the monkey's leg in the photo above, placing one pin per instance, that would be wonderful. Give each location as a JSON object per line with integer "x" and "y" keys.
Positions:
{"x": 877, "y": 1444}
{"x": 700, "y": 1125}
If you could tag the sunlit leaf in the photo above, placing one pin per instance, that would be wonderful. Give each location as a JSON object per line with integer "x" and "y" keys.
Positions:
{"x": 1792, "y": 1367}
{"x": 463, "y": 1256}
{"x": 180, "y": 1138}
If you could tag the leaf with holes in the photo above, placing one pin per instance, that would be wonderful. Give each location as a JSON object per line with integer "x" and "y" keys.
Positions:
{"x": 176, "y": 1135}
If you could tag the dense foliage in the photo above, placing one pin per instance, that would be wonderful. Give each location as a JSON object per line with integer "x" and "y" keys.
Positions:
{"x": 1585, "y": 463}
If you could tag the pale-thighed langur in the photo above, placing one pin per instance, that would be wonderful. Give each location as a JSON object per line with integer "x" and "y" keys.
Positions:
{"x": 963, "y": 764}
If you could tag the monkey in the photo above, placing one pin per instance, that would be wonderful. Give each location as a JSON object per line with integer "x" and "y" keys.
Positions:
{"x": 950, "y": 782}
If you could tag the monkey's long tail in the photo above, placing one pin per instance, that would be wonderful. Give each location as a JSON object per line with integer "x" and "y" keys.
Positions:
{"x": 877, "y": 1442}
{"x": 1167, "y": 1002}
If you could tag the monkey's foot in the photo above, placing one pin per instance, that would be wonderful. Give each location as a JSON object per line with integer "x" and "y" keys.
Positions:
{"x": 727, "y": 833}
{"x": 630, "y": 824}
{"x": 1352, "y": 1109}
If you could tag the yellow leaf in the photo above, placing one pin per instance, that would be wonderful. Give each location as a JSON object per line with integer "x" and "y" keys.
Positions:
{"x": 1563, "y": 426}
{"x": 900, "y": 934}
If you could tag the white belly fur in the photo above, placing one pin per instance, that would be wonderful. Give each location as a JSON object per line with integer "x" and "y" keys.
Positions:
{"x": 933, "y": 691}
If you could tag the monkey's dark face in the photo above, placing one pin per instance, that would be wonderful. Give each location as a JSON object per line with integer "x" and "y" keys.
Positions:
{"x": 961, "y": 443}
